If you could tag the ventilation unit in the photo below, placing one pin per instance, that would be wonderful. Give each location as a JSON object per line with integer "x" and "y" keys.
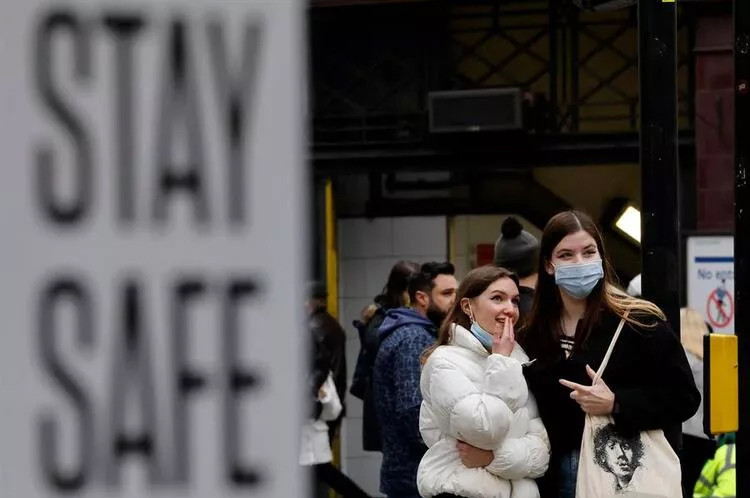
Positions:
{"x": 475, "y": 110}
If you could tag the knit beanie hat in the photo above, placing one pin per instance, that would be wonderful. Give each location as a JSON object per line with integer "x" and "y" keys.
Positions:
{"x": 516, "y": 249}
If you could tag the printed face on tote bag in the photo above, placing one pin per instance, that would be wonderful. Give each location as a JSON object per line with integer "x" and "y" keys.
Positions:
{"x": 618, "y": 455}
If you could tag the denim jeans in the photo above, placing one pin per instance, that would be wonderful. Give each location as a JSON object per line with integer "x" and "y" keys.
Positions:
{"x": 568, "y": 467}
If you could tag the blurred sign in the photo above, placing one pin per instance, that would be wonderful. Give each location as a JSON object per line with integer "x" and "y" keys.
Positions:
{"x": 151, "y": 257}
{"x": 485, "y": 254}
{"x": 710, "y": 280}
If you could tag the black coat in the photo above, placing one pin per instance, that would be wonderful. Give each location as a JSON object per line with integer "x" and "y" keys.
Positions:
{"x": 329, "y": 340}
{"x": 362, "y": 380}
{"x": 648, "y": 373}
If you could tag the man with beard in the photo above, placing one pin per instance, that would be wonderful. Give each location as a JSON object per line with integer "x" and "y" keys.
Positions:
{"x": 404, "y": 335}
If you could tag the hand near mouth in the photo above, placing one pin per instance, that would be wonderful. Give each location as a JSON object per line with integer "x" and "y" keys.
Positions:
{"x": 503, "y": 338}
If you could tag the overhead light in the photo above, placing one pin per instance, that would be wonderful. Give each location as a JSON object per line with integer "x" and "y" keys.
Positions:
{"x": 629, "y": 223}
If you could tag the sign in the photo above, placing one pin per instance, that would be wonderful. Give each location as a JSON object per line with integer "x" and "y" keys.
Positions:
{"x": 152, "y": 250}
{"x": 710, "y": 280}
{"x": 485, "y": 254}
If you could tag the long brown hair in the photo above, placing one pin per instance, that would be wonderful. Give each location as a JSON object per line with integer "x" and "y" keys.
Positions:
{"x": 474, "y": 284}
{"x": 541, "y": 335}
{"x": 394, "y": 293}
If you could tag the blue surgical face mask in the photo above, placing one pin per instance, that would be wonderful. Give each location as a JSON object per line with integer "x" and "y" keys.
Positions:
{"x": 579, "y": 279}
{"x": 484, "y": 337}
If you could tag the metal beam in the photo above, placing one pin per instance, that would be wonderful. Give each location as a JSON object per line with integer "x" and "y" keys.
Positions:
{"x": 351, "y": 3}
{"x": 461, "y": 153}
{"x": 659, "y": 169}
{"x": 742, "y": 234}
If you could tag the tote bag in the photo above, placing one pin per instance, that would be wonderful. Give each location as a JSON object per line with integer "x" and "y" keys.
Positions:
{"x": 611, "y": 465}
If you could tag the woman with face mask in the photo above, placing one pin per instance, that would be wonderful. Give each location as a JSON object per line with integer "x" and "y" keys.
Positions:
{"x": 647, "y": 384}
{"x": 477, "y": 418}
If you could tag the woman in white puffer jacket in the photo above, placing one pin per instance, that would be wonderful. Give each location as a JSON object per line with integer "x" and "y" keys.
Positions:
{"x": 480, "y": 423}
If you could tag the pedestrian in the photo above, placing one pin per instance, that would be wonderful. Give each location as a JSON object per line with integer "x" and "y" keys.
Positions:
{"x": 484, "y": 434}
{"x": 404, "y": 335}
{"x": 718, "y": 479}
{"x": 518, "y": 251}
{"x": 328, "y": 334}
{"x": 395, "y": 295}
{"x": 696, "y": 446}
{"x": 577, "y": 308}
{"x": 315, "y": 445}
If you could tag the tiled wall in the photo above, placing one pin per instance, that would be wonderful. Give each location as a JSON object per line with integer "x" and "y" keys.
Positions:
{"x": 367, "y": 251}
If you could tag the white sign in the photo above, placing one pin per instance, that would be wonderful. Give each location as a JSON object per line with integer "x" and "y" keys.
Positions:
{"x": 152, "y": 252}
{"x": 710, "y": 280}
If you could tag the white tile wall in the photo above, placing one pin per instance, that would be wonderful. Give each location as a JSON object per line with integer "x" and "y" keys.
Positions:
{"x": 376, "y": 274}
{"x": 365, "y": 471}
{"x": 351, "y": 283}
{"x": 354, "y": 409}
{"x": 353, "y": 445}
{"x": 420, "y": 236}
{"x": 367, "y": 251}
{"x": 364, "y": 238}
{"x": 350, "y": 309}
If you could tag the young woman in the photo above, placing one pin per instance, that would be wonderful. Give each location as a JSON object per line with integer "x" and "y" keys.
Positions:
{"x": 481, "y": 426}
{"x": 647, "y": 384}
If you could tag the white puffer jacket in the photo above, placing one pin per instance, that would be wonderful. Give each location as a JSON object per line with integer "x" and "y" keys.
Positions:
{"x": 481, "y": 399}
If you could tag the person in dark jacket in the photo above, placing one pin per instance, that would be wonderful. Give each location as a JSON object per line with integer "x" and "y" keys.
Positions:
{"x": 329, "y": 339}
{"x": 518, "y": 251}
{"x": 648, "y": 383}
{"x": 315, "y": 446}
{"x": 404, "y": 335}
{"x": 395, "y": 295}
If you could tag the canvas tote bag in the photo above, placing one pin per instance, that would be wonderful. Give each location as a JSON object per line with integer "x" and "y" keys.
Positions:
{"x": 613, "y": 466}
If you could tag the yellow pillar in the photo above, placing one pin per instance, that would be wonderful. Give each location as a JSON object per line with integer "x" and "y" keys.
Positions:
{"x": 332, "y": 261}
{"x": 332, "y": 282}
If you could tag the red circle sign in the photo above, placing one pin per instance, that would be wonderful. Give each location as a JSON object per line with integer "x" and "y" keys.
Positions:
{"x": 720, "y": 308}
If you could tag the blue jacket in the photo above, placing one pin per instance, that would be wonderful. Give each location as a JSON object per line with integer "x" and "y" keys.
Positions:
{"x": 404, "y": 336}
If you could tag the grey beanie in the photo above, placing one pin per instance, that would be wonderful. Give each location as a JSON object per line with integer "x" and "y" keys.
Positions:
{"x": 516, "y": 249}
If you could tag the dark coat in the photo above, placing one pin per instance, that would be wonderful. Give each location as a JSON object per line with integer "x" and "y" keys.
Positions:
{"x": 362, "y": 380}
{"x": 329, "y": 339}
{"x": 648, "y": 373}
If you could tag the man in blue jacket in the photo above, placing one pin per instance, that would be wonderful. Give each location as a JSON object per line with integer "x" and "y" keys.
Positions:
{"x": 404, "y": 335}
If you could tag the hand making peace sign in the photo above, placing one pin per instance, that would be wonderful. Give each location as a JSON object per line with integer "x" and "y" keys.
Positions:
{"x": 597, "y": 399}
